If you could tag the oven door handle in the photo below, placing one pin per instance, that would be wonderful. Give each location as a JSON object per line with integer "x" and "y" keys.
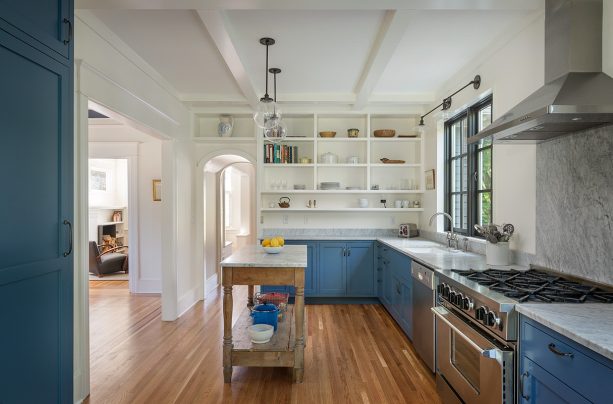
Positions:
{"x": 487, "y": 353}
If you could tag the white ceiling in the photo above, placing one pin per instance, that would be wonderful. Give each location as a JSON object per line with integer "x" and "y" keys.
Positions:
{"x": 335, "y": 56}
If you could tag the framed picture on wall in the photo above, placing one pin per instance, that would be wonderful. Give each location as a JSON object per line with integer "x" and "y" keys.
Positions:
{"x": 97, "y": 179}
{"x": 430, "y": 180}
{"x": 157, "y": 190}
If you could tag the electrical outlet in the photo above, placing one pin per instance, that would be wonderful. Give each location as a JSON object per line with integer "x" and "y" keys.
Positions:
{"x": 285, "y": 219}
{"x": 393, "y": 219}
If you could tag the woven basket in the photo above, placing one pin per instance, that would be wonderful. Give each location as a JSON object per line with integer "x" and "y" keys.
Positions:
{"x": 384, "y": 133}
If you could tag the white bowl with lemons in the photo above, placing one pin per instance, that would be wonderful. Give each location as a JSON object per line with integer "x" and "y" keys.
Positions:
{"x": 273, "y": 245}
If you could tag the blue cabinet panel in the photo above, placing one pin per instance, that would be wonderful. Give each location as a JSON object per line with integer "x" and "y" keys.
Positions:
{"x": 36, "y": 264}
{"x": 565, "y": 362}
{"x": 40, "y": 23}
{"x": 332, "y": 269}
{"x": 360, "y": 269}
{"x": 539, "y": 386}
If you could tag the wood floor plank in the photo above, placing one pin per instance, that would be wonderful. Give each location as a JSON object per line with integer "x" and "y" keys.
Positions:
{"x": 354, "y": 354}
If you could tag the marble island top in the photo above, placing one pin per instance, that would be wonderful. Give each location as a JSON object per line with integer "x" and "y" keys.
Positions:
{"x": 292, "y": 256}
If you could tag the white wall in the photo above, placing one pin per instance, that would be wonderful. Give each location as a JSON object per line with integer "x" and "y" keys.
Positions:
{"x": 116, "y": 193}
{"x": 149, "y": 216}
{"x": 510, "y": 80}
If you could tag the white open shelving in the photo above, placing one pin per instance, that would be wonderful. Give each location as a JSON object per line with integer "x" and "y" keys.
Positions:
{"x": 403, "y": 181}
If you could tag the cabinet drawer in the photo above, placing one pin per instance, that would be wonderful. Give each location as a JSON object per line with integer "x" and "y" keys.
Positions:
{"x": 572, "y": 365}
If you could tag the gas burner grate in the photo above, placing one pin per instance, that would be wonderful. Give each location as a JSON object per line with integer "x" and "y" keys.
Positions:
{"x": 538, "y": 286}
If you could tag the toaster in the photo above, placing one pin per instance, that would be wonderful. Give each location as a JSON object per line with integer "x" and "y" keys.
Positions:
{"x": 408, "y": 230}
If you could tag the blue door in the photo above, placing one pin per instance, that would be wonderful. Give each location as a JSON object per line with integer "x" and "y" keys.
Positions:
{"x": 46, "y": 24}
{"x": 332, "y": 269}
{"x": 36, "y": 265}
{"x": 360, "y": 269}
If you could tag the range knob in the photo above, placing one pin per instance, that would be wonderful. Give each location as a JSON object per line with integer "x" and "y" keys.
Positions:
{"x": 467, "y": 303}
{"x": 446, "y": 291}
{"x": 492, "y": 319}
{"x": 451, "y": 297}
{"x": 481, "y": 313}
{"x": 458, "y": 299}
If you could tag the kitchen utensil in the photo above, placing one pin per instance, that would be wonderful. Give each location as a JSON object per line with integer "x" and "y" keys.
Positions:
{"x": 265, "y": 314}
{"x": 508, "y": 228}
{"x": 261, "y": 333}
{"x": 328, "y": 133}
{"x": 363, "y": 202}
{"x": 284, "y": 202}
{"x": 388, "y": 161}
{"x": 329, "y": 185}
{"x": 353, "y": 160}
{"x": 353, "y": 132}
{"x": 384, "y": 133}
{"x": 328, "y": 158}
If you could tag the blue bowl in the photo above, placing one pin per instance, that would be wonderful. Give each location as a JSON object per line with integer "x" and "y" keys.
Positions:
{"x": 265, "y": 314}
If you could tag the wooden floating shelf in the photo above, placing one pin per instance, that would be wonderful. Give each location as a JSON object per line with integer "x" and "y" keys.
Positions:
{"x": 288, "y": 165}
{"x": 342, "y": 139}
{"x": 394, "y": 165}
{"x": 342, "y": 165}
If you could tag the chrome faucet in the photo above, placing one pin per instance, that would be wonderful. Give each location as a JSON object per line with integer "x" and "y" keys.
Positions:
{"x": 451, "y": 236}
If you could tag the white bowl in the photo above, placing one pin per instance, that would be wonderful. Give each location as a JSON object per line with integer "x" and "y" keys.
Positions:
{"x": 261, "y": 333}
{"x": 273, "y": 250}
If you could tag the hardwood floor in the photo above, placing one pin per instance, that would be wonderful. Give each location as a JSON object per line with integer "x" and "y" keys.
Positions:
{"x": 354, "y": 354}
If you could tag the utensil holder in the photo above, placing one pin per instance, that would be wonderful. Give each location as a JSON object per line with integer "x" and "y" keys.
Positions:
{"x": 497, "y": 254}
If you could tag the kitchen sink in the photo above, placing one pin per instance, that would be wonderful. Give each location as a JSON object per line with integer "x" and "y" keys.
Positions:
{"x": 432, "y": 250}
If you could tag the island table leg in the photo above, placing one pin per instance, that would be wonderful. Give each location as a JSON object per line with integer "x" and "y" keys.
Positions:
{"x": 298, "y": 370}
{"x": 250, "y": 295}
{"x": 227, "y": 325}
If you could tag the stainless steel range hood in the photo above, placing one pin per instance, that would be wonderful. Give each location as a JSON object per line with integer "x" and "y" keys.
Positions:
{"x": 578, "y": 95}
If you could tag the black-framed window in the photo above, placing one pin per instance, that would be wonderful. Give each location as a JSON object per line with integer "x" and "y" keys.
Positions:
{"x": 468, "y": 169}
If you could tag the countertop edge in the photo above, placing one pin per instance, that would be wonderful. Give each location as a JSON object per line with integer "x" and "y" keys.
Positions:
{"x": 568, "y": 332}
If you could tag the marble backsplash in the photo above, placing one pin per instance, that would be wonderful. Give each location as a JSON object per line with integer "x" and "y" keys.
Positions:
{"x": 574, "y": 204}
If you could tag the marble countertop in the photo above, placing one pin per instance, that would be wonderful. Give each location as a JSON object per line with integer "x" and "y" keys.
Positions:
{"x": 292, "y": 256}
{"x": 589, "y": 324}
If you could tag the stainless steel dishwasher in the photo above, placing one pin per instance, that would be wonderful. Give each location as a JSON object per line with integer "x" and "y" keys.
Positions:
{"x": 424, "y": 295}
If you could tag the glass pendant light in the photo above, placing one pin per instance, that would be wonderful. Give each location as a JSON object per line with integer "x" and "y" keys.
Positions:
{"x": 278, "y": 132}
{"x": 268, "y": 114}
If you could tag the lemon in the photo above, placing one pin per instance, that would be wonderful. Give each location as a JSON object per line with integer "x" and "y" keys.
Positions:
{"x": 266, "y": 242}
{"x": 281, "y": 241}
{"x": 274, "y": 243}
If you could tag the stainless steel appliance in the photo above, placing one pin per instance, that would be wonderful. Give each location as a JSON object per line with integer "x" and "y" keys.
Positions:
{"x": 424, "y": 297}
{"x": 477, "y": 326}
{"x": 577, "y": 94}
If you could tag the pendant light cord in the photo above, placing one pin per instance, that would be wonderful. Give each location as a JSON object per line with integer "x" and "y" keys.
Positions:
{"x": 266, "y": 95}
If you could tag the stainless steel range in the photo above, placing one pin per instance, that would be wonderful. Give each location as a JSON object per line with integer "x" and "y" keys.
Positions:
{"x": 476, "y": 327}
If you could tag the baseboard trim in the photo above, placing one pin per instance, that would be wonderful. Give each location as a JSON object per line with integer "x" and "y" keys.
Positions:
{"x": 187, "y": 301}
{"x": 341, "y": 300}
{"x": 148, "y": 286}
{"x": 211, "y": 284}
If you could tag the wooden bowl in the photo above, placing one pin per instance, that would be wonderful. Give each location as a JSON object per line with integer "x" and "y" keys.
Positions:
{"x": 384, "y": 133}
{"x": 327, "y": 134}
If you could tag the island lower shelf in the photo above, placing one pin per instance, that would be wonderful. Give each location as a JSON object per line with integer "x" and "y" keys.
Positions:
{"x": 279, "y": 351}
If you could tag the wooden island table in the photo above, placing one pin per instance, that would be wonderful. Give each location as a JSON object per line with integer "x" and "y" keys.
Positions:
{"x": 252, "y": 266}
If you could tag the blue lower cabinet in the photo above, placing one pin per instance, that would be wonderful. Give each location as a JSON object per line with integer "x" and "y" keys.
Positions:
{"x": 332, "y": 264}
{"x": 555, "y": 369}
{"x": 360, "y": 270}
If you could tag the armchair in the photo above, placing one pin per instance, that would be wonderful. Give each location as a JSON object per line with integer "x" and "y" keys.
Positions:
{"x": 108, "y": 262}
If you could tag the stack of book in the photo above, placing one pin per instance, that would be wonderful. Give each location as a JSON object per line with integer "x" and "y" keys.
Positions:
{"x": 280, "y": 154}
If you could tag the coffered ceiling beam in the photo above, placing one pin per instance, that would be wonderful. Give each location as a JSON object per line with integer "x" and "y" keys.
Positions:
{"x": 390, "y": 34}
{"x": 218, "y": 27}
{"x": 311, "y": 4}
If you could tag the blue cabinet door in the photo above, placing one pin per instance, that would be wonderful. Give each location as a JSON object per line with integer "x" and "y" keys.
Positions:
{"x": 310, "y": 273}
{"x": 45, "y": 24}
{"x": 404, "y": 306}
{"x": 36, "y": 264}
{"x": 360, "y": 269}
{"x": 536, "y": 385}
{"x": 331, "y": 269}
{"x": 380, "y": 266}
